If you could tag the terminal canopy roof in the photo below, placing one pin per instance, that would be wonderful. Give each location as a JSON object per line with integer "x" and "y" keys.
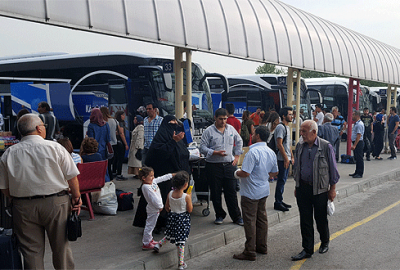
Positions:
{"x": 261, "y": 30}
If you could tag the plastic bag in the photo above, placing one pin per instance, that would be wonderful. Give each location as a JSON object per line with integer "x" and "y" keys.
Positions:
{"x": 105, "y": 201}
{"x": 331, "y": 208}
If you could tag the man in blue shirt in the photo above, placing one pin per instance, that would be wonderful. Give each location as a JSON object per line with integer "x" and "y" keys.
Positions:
{"x": 341, "y": 125}
{"x": 259, "y": 164}
{"x": 357, "y": 135}
{"x": 328, "y": 132}
{"x": 392, "y": 131}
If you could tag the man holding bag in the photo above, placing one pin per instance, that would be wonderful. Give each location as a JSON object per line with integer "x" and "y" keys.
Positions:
{"x": 316, "y": 176}
{"x": 37, "y": 174}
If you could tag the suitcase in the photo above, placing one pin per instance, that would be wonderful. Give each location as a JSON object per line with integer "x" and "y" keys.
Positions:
{"x": 10, "y": 257}
{"x": 5, "y": 212}
{"x": 348, "y": 159}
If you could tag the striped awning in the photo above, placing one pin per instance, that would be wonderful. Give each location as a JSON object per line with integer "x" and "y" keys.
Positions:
{"x": 268, "y": 31}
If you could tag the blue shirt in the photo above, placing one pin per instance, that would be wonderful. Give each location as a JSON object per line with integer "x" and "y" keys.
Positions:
{"x": 329, "y": 133}
{"x": 150, "y": 129}
{"x": 214, "y": 140}
{"x": 358, "y": 128}
{"x": 338, "y": 122}
{"x": 258, "y": 162}
{"x": 392, "y": 123}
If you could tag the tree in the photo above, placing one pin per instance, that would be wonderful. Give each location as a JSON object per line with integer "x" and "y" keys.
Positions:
{"x": 314, "y": 74}
{"x": 269, "y": 69}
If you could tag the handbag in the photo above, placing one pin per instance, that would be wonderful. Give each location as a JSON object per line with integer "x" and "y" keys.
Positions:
{"x": 193, "y": 151}
{"x": 138, "y": 154}
{"x": 110, "y": 151}
{"x": 74, "y": 227}
{"x": 105, "y": 201}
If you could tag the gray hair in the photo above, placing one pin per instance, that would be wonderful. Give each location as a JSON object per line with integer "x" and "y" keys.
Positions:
{"x": 313, "y": 125}
{"x": 335, "y": 108}
{"x": 328, "y": 117}
{"x": 357, "y": 113}
{"x": 28, "y": 123}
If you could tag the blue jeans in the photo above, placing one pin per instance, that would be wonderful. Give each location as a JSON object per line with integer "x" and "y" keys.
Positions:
{"x": 280, "y": 184}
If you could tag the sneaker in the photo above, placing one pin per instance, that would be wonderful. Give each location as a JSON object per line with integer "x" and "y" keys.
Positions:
{"x": 182, "y": 266}
{"x": 157, "y": 247}
{"x": 392, "y": 158}
{"x": 153, "y": 242}
{"x": 149, "y": 246}
{"x": 121, "y": 178}
{"x": 219, "y": 220}
{"x": 240, "y": 222}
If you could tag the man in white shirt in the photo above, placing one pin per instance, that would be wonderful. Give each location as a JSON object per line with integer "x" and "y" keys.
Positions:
{"x": 319, "y": 117}
{"x": 37, "y": 174}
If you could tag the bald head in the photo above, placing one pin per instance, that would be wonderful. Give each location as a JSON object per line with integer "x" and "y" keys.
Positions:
{"x": 28, "y": 123}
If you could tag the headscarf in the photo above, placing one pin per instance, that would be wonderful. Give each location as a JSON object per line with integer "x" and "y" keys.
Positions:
{"x": 166, "y": 156}
{"x": 139, "y": 119}
{"x": 96, "y": 117}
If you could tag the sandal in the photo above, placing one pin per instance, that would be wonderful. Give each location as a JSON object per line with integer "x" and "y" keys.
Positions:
{"x": 378, "y": 158}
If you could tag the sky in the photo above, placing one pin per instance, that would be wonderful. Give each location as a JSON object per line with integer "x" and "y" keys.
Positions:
{"x": 376, "y": 19}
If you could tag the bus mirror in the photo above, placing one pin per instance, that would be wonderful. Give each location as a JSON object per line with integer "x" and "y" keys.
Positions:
{"x": 168, "y": 81}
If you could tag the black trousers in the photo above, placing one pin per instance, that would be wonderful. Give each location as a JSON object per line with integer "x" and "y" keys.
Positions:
{"x": 310, "y": 204}
{"x": 119, "y": 155}
{"x": 367, "y": 143}
{"x": 220, "y": 176}
{"x": 359, "y": 156}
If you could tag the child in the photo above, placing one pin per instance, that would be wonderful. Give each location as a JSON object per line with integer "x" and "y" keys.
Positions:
{"x": 151, "y": 193}
{"x": 178, "y": 225}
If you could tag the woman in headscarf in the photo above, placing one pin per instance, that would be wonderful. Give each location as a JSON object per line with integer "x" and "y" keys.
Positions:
{"x": 167, "y": 154}
{"x": 99, "y": 130}
{"x": 137, "y": 144}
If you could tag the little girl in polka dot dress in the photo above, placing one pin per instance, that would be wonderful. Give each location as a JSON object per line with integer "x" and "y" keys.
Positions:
{"x": 179, "y": 205}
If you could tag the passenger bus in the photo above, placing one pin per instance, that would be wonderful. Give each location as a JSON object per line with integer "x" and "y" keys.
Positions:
{"x": 381, "y": 92}
{"x": 267, "y": 91}
{"x": 334, "y": 91}
{"x": 119, "y": 80}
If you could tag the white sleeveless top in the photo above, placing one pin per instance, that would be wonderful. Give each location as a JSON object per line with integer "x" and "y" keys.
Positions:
{"x": 177, "y": 205}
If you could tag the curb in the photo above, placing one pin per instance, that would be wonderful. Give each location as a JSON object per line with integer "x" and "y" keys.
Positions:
{"x": 212, "y": 241}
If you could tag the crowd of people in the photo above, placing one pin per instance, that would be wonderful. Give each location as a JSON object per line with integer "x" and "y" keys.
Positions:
{"x": 159, "y": 158}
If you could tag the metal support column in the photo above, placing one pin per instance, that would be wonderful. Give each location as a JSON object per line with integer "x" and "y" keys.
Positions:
{"x": 180, "y": 97}
{"x": 351, "y": 105}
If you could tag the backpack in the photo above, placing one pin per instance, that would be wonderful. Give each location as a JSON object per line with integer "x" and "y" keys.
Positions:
{"x": 244, "y": 133}
{"x": 272, "y": 143}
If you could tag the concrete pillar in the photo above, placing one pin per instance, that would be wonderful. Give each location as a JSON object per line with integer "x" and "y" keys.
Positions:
{"x": 180, "y": 98}
{"x": 298, "y": 99}
{"x": 290, "y": 102}
{"x": 391, "y": 91}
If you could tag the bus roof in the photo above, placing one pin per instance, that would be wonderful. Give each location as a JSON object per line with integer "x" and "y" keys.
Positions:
{"x": 54, "y": 60}
{"x": 327, "y": 80}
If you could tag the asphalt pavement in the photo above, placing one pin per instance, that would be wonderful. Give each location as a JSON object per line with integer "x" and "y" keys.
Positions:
{"x": 111, "y": 242}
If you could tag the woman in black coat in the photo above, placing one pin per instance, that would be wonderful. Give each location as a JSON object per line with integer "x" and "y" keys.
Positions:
{"x": 167, "y": 154}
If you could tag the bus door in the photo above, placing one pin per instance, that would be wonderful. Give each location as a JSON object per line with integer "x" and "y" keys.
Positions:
{"x": 117, "y": 96}
{"x": 313, "y": 97}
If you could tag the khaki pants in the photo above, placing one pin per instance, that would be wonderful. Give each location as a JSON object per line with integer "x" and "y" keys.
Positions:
{"x": 255, "y": 225}
{"x": 32, "y": 218}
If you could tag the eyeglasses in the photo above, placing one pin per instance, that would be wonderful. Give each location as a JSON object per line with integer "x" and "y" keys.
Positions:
{"x": 44, "y": 125}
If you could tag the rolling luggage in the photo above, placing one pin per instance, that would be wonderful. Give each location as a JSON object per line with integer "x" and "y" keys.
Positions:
{"x": 10, "y": 257}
